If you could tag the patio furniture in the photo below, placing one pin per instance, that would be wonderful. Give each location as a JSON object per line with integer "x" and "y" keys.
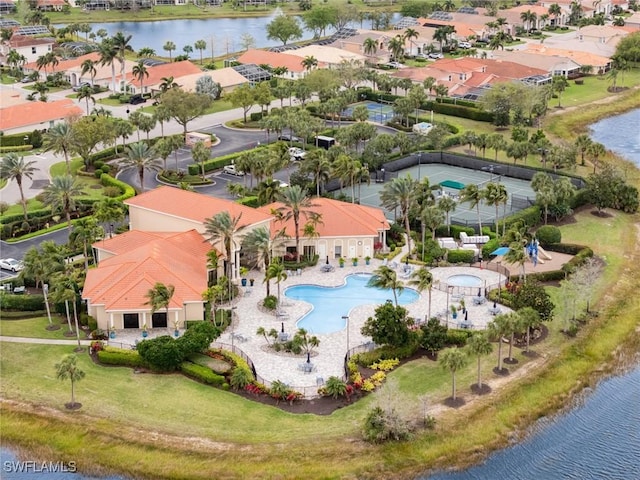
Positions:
{"x": 326, "y": 268}
{"x": 283, "y": 337}
{"x": 479, "y": 300}
{"x": 494, "y": 310}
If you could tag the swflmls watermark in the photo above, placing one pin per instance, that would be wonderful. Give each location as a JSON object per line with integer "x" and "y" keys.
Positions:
{"x": 31, "y": 466}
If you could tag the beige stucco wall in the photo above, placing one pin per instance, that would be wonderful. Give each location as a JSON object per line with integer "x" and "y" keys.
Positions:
{"x": 191, "y": 311}
{"x": 147, "y": 220}
{"x": 350, "y": 247}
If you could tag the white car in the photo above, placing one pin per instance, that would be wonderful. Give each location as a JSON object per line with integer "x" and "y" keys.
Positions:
{"x": 436, "y": 55}
{"x": 296, "y": 153}
{"x": 464, "y": 45}
{"x": 231, "y": 170}
{"x": 11, "y": 264}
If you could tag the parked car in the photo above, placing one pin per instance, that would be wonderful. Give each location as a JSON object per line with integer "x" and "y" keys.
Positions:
{"x": 80, "y": 86}
{"x": 436, "y": 55}
{"x": 288, "y": 138}
{"x": 231, "y": 170}
{"x": 282, "y": 184}
{"x": 395, "y": 65}
{"x": 297, "y": 153}
{"x": 464, "y": 45}
{"x": 136, "y": 99}
{"x": 11, "y": 264}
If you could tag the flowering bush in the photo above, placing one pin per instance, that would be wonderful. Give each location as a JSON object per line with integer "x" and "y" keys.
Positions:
{"x": 96, "y": 346}
{"x": 255, "y": 388}
{"x": 385, "y": 365}
{"x": 377, "y": 378}
{"x": 356, "y": 377}
{"x": 368, "y": 386}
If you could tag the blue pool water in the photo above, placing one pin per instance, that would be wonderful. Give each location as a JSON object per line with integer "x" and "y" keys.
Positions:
{"x": 330, "y": 304}
{"x": 463, "y": 280}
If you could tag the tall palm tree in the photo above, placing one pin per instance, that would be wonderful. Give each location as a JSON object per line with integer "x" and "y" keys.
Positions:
{"x": 140, "y": 72}
{"x": 447, "y": 205}
{"x": 14, "y": 167}
{"x": 423, "y": 280}
{"x": 61, "y": 194}
{"x": 59, "y": 139}
{"x": 309, "y": 62}
{"x": 223, "y": 229}
{"x": 317, "y": 164}
{"x": 200, "y": 45}
{"x": 479, "y": 345}
{"x": 410, "y": 34}
{"x": 556, "y": 11}
{"x": 497, "y": 329}
{"x": 169, "y": 46}
{"x": 108, "y": 55}
{"x": 453, "y": 359}
{"x": 89, "y": 66}
{"x": 121, "y": 45}
{"x": 159, "y": 297}
{"x": 516, "y": 255}
{"x": 370, "y": 46}
{"x": 385, "y": 277}
{"x": 494, "y": 194}
{"x": 259, "y": 248}
{"x": 346, "y": 169}
{"x": 107, "y": 211}
{"x": 400, "y": 193}
{"x": 396, "y": 47}
{"x": 68, "y": 368}
{"x": 276, "y": 271}
{"x": 141, "y": 157}
{"x": 528, "y": 18}
{"x": 85, "y": 231}
{"x": 86, "y": 94}
{"x": 472, "y": 194}
{"x": 529, "y": 318}
{"x": 295, "y": 203}
{"x": 595, "y": 151}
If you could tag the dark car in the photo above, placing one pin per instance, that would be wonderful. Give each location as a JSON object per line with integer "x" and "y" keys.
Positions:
{"x": 288, "y": 138}
{"x": 80, "y": 86}
{"x": 137, "y": 99}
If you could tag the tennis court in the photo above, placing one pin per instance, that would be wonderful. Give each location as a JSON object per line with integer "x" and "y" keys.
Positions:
{"x": 437, "y": 173}
{"x": 378, "y": 112}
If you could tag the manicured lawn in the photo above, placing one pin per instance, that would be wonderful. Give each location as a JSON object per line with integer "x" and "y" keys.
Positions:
{"x": 218, "y": 106}
{"x": 36, "y": 328}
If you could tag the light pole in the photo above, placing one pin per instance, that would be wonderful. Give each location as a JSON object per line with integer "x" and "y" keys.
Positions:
{"x": 346, "y": 319}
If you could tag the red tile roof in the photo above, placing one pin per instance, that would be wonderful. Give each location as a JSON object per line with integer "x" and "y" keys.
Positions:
{"x": 339, "y": 219}
{"x": 36, "y": 112}
{"x": 64, "y": 65}
{"x": 194, "y": 206}
{"x": 293, "y": 63}
{"x": 165, "y": 70}
{"x": 122, "y": 282}
{"x": 18, "y": 41}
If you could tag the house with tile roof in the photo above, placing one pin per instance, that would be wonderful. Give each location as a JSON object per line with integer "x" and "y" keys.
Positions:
{"x": 330, "y": 56}
{"x": 344, "y": 230}
{"x": 598, "y": 62}
{"x": 151, "y": 83}
{"x": 227, "y": 77}
{"x": 131, "y": 264}
{"x": 26, "y": 116}
{"x": 30, "y": 47}
{"x": 550, "y": 64}
{"x": 293, "y": 63}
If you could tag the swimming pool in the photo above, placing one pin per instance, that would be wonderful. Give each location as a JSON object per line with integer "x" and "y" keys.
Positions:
{"x": 330, "y": 304}
{"x": 464, "y": 280}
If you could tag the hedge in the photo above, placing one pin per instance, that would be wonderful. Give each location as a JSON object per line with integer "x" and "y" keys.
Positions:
{"x": 15, "y": 140}
{"x": 24, "y": 303}
{"x": 17, "y": 148}
{"x": 127, "y": 190}
{"x": 385, "y": 353}
{"x": 250, "y": 201}
{"x": 457, "y": 337}
{"x": 20, "y": 315}
{"x": 460, "y": 256}
{"x": 119, "y": 356}
{"x": 303, "y": 263}
{"x": 213, "y": 163}
{"x": 203, "y": 374}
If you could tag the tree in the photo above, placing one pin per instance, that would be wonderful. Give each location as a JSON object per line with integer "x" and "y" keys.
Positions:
{"x": 242, "y": 96}
{"x": 595, "y": 150}
{"x": 86, "y": 94}
{"x": 434, "y": 335}
{"x": 188, "y": 50}
{"x": 309, "y": 62}
{"x": 107, "y": 211}
{"x": 222, "y": 230}
{"x": 559, "y": 85}
{"x": 159, "y": 297}
{"x": 533, "y": 294}
{"x": 410, "y": 34}
{"x": 453, "y": 359}
{"x": 206, "y": 85}
{"x": 108, "y": 55}
{"x": 478, "y": 344}
{"x": 422, "y": 279}
{"x": 147, "y": 52}
{"x": 390, "y": 326}
{"x": 277, "y": 271}
{"x": 68, "y": 369}
{"x": 542, "y": 184}
{"x": 169, "y": 46}
{"x": 370, "y": 47}
{"x": 141, "y": 157}
{"x": 140, "y": 72}
{"x": 284, "y": 28}
{"x": 58, "y": 139}
{"x": 14, "y": 167}
{"x": 529, "y": 318}
{"x": 89, "y": 66}
{"x": 61, "y": 194}
{"x": 85, "y": 231}
{"x": 295, "y": 203}
{"x": 386, "y": 278}
{"x": 200, "y": 153}
{"x": 185, "y": 106}
{"x": 88, "y": 132}
{"x": 628, "y": 49}
{"x": 259, "y": 248}
{"x": 498, "y": 328}
{"x": 121, "y": 44}
{"x": 201, "y": 46}
{"x": 400, "y": 193}
{"x": 582, "y": 143}
{"x": 517, "y": 256}
{"x": 396, "y": 47}
{"x": 474, "y": 196}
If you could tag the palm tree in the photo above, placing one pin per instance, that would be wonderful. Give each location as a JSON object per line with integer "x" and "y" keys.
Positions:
{"x": 295, "y": 203}
{"x": 556, "y": 12}
{"x": 86, "y": 94}
{"x": 529, "y": 318}
{"x": 64, "y": 291}
{"x": 14, "y": 167}
{"x": 317, "y": 164}
{"x": 259, "y": 248}
{"x": 61, "y": 194}
{"x": 141, "y": 157}
{"x": 400, "y": 193}
{"x": 410, "y": 34}
{"x": 309, "y": 62}
{"x": 68, "y": 369}
{"x": 453, "y": 359}
{"x": 200, "y": 45}
{"x": 423, "y": 280}
{"x": 107, "y": 211}
{"x": 370, "y": 46}
{"x": 479, "y": 345}
{"x": 447, "y": 205}
{"x": 472, "y": 194}
{"x": 167, "y": 83}
{"x": 276, "y": 271}
{"x": 494, "y": 194}
{"x": 169, "y": 46}
{"x": 159, "y": 297}
{"x": 121, "y": 45}
{"x": 528, "y": 18}
{"x": 59, "y": 139}
{"x": 85, "y": 231}
{"x": 222, "y": 229}
{"x": 496, "y": 329}
{"x": 139, "y": 72}
{"x": 385, "y": 277}
{"x": 595, "y": 151}
{"x": 582, "y": 143}
{"x": 516, "y": 255}
{"x": 89, "y": 66}
{"x": 108, "y": 54}
{"x": 147, "y": 52}
{"x": 396, "y": 47}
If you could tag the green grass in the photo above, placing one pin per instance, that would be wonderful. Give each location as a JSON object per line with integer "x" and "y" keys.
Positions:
{"x": 594, "y": 88}
{"x": 7, "y": 80}
{"x": 37, "y": 328}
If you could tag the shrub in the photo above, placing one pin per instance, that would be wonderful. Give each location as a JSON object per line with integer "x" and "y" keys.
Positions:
{"x": 127, "y": 191}
{"x": 460, "y": 256}
{"x": 383, "y": 425}
{"x": 202, "y": 374}
{"x": 457, "y": 337}
{"x": 240, "y": 378}
{"x": 385, "y": 365}
{"x": 255, "y": 116}
{"x": 270, "y": 302}
{"x": 119, "y": 356}
{"x": 111, "y": 192}
{"x": 28, "y": 303}
{"x": 548, "y": 234}
{"x": 163, "y": 353}
{"x": 250, "y": 201}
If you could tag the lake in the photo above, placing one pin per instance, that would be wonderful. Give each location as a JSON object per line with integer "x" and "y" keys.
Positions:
{"x": 620, "y": 134}
{"x": 223, "y": 33}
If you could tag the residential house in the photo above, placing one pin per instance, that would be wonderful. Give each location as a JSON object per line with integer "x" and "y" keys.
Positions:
{"x": 228, "y": 78}
{"x": 550, "y": 64}
{"x": 633, "y": 22}
{"x": 19, "y": 115}
{"x": 292, "y": 63}
{"x": 157, "y": 73}
{"x": 329, "y": 56}
{"x": 598, "y": 62}
{"x": 26, "y": 45}
{"x": 514, "y": 17}
{"x": 130, "y": 264}
{"x": 355, "y": 44}
{"x": 51, "y": 5}
{"x": 344, "y": 229}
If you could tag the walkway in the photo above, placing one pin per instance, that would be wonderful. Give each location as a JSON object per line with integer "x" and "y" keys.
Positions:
{"x": 43, "y": 341}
